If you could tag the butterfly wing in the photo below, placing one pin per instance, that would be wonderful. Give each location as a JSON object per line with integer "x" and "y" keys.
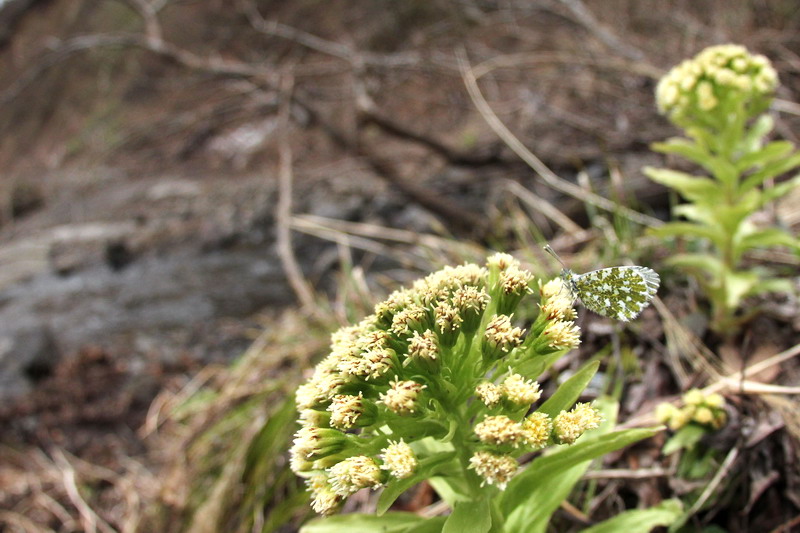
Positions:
{"x": 617, "y": 292}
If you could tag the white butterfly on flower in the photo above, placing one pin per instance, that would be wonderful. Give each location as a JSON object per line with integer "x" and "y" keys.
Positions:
{"x": 619, "y": 292}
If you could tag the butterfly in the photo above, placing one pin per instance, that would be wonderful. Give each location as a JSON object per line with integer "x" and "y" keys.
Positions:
{"x": 617, "y": 292}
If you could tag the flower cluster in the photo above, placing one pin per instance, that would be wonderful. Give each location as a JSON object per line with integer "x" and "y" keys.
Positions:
{"x": 705, "y": 410}
{"x": 718, "y": 79}
{"x": 444, "y": 359}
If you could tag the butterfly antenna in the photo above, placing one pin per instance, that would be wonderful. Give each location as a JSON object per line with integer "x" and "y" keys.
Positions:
{"x": 552, "y": 252}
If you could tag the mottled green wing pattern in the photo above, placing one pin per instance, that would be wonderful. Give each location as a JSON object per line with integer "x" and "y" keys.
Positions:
{"x": 618, "y": 292}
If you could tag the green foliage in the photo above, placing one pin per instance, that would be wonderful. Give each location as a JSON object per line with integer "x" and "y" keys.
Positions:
{"x": 641, "y": 520}
{"x": 726, "y": 138}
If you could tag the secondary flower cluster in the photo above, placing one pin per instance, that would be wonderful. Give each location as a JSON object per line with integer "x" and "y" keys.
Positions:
{"x": 717, "y": 79}
{"x": 706, "y": 410}
{"x": 443, "y": 360}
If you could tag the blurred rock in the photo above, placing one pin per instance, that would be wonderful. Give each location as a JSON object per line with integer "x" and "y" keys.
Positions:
{"x": 26, "y": 356}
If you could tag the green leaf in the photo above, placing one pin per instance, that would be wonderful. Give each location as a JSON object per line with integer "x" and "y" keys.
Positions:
{"x": 760, "y": 128}
{"x": 270, "y": 440}
{"x": 698, "y": 262}
{"x": 739, "y": 284}
{"x": 521, "y": 501}
{"x": 569, "y": 391}
{"x": 641, "y": 520}
{"x": 449, "y": 487}
{"x": 781, "y": 189}
{"x": 766, "y": 237}
{"x": 395, "y": 522}
{"x": 689, "y": 229}
{"x": 771, "y": 285}
{"x": 703, "y": 213}
{"x": 469, "y": 517}
{"x": 432, "y": 525}
{"x": 684, "y": 148}
{"x": 427, "y": 467}
{"x": 536, "y": 363}
{"x": 771, "y": 170}
{"x": 693, "y": 188}
{"x": 771, "y": 152}
{"x": 686, "y": 437}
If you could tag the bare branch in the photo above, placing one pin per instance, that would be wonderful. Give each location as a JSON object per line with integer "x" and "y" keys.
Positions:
{"x": 369, "y": 114}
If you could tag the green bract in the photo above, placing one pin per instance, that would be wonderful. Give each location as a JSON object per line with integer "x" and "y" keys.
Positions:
{"x": 439, "y": 384}
{"x": 718, "y": 99}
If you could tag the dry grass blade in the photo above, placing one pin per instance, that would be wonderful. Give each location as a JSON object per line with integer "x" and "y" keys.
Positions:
{"x": 545, "y": 208}
{"x": 375, "y": 231}
{"x": 283, "y": 215}
{"x": 418, "y": 254}
{"x": 713, "y": 485}
{"x": 627, "y": 473}
{"x": 527, "y": 60}
{"x": 682, "y": 343}
{"x": 534, "y": 162}
{"x": 90, "y": 521}
{"x": 20, "y": 522}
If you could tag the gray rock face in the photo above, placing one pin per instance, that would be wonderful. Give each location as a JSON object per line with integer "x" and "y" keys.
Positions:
{"x": 143, "y": 269}
{"x": 27, "y": 354}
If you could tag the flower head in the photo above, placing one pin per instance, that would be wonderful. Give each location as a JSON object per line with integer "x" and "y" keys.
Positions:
{"x": 353, "y": 474}
{"x": 402, "y": 397}
{"x": 323, "y": 500}
{"x": 399, "y": 459}
{"x": 700, "y": 408}
{"x": 562, "y": 335}
{"x": 569, "y": 425}
{"x": 346, "y": 410}
{"x": 716, "y": 76}
{"x": 500, "y": 430}
{"x": 495, "y": 469}
{"x": 500, "y": 337}
{"x": 489, "y": 393}
{"x": 537, "y": 427}
{"x": 520, "y": 391}
{"x": 424, "y": 350}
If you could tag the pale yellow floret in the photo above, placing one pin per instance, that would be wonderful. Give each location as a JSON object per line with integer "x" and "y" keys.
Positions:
{"x": 562, "y": 334}
{"x": 715, "y": 400}
{"x": 703, "y": 415}
{"x": 500, "y": 430}
{"x": 693, "y": 397}
{"x": 493, "y": 468}
{"x": 402, "y": 397}
{"x": 399, "y": 459}
{"x": 569, "y": 425}
{"x": 353, "y": 474}
{"x": 345, "y": 410}
{"x": 537, "y": 427}
{"x": 489, "y": 393}
{"x": 502, "y": 335}
{"x": 520, "y": 391}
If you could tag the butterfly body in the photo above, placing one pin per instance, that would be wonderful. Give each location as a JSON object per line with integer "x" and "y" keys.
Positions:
{"x": 617, "y": 292}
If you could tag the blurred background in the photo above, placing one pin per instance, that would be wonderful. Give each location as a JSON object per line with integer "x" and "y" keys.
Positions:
{"x": 182, "y": 179}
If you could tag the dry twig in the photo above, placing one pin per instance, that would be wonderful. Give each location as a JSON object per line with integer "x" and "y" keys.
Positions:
{"x": 283, "y": 213}
{"x": 534, "y": 162}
